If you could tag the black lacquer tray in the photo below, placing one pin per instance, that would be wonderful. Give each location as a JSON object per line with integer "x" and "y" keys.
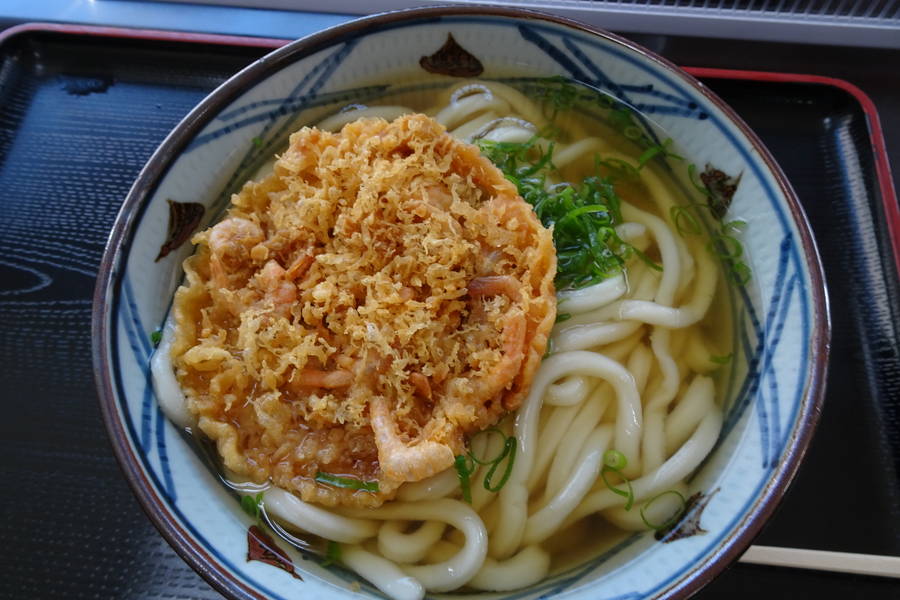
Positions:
{"x": 81, "y": 110}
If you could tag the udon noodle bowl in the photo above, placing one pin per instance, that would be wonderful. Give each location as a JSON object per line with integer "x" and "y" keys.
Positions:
{"x": 461, "y": 338}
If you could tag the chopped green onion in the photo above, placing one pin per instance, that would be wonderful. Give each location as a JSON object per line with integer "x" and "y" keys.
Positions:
{"x": 647, "y": 260}
{"x": 725, "y": 246}
{"x": 499, "y": 457}
{"x": 560, "y": 317}
{"x": 466, "y": 464}
{"x": 739, "y": 273}
{"x": 633, "y": 132}
{"x": 583, "y": 217}
{"x": 350, "y": 483}
{"x": 557, "y": 94}
{"x": 156, "y": 337}
{"x": 627, "y": 494}
{"x": 257, "y": 141}
{"x": 673, "y": 519}
{"x": 252, "y": 505}
{"x": 617, "y": 166}
{"x": 721, "y": 360}
{"x": 695, "y": 181}
{"x": 615, "y": 460}
{"x": 661, "y": 150}
{"x": 332, "y": 554}
{"x": 685, "y": 223}
{"x": 509, "y": 450}
{"x": 736, "y": 226}
{"x": 463, "y": 472}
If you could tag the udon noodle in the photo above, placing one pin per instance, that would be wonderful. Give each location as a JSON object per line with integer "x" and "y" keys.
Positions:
{"x": 630, "y": 369}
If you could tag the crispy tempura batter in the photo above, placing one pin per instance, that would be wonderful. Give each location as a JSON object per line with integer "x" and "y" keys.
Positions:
{"x": 383, "y": 293}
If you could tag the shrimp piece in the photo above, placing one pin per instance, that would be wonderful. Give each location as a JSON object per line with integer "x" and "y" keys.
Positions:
{"x": 308, "y": 379}
{"x": 229, "y": 243}
{"x": 281, "y": 293}
{"x": 325, "y": 379}
{"x": 495, "y": 285}
{"x": 439, "y": 196}
{"x": 420, "y": 383}
{"x": 398, "y": 461}
{"x": 300, "y": 267}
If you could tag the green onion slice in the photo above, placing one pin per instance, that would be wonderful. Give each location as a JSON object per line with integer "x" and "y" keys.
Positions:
{"x": 332, "y": 553}
{"x": 721, "y": 360}
{"x": 739, "y": 273}
{"x": 725, "y": 246}
{"x": 252, "y": 505}
{"x": 509, "y": 452}
{"x": 615, "y": 460}
{"x": 463, "y": 471}
{"x": 628, "y": 494}
{"x": 350, "y": 483}
{"x": 500, "y": 456}
{"x": 685, "y": 223}
{"x": 673, "y": 519}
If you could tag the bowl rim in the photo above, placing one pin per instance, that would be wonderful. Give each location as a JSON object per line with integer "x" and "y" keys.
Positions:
{"x": 136, "y": 201}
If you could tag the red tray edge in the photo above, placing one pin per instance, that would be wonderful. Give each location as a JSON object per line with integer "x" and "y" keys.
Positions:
{"x": 876, "y": 134}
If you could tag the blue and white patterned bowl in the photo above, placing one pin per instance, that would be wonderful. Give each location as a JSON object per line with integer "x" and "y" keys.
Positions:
{"x": 782, "y": 327}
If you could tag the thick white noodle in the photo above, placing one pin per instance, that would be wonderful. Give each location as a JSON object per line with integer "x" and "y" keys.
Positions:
{"x": 567, "y": 455}
{"x": 510, "y": 130}
{"x": 457, "y": 570}
{"x": 468, "y": 131}
{"x": 620, "y": 351}
{"x": 521, "y": 104}
{"x": 697, "y": 400}
{"x": 668, "y": 250}
{"x": 638, "y": 365}
{"x": 382, "y": 573}
{"x": 401, "y": 547}
{"x": 514, "y": 494}
{"x": 168, "y": 392}
{"x": 571, "y": 153}
{"x": 529, "y": 566}
{"x": 592, "y": 297}
{"x": 436, "y": 486}
{"x": 657, "y": 512}
{"x": 568, "y": 392}
{"x": 582, "y": 337}
{"x": 546, "y": 521}
{"x": 552, "y": 432}
{"x": 293, "y": 511}
{"x": 631, "y": 232}
{"x": 453, "y": 115}
{"x": 653, "y": 443}
{"x": 675, "y": 469}
{"x": 517, "y": 135}
{"x": 657, "y": 313}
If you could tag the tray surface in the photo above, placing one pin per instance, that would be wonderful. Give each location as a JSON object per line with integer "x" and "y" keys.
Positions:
{"x": 79, "y": 116}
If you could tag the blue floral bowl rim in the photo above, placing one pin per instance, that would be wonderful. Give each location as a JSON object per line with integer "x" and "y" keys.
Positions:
{"x": 112, "y": 265}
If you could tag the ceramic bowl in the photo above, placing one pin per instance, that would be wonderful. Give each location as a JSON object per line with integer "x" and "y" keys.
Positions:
{"x": 781, "y": 323}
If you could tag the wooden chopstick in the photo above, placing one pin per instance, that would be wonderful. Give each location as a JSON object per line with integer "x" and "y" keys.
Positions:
{"x": 822, "y": 560}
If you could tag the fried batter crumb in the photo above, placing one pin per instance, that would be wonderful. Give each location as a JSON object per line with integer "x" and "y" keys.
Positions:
{"x": 382, "y": 294}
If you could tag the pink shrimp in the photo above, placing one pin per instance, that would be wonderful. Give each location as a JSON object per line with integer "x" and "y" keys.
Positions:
{"x": 282, "y": 294}
{"x": 398, "y": 461}
{"x": 230, "y": 242}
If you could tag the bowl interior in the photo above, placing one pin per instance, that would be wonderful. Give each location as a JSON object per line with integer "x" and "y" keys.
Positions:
{"x": 779, "y": 321}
